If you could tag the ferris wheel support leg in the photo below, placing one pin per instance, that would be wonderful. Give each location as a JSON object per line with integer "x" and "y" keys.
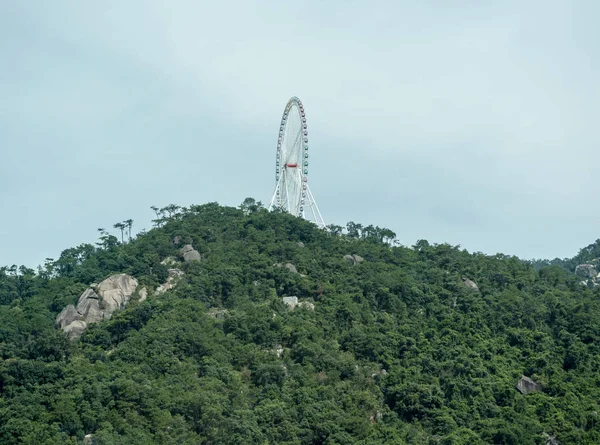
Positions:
{"x": 277, "y": 189}
{"x": 318, "y": 218}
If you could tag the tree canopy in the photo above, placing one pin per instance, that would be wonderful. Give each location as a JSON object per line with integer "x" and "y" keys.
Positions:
{"x": 397, "y": 350}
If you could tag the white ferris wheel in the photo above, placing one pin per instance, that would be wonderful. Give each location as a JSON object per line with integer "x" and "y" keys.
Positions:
{"x": 292, "y": 193}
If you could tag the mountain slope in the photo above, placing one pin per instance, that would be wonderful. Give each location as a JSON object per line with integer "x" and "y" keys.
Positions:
{"x": 398, "y": 350}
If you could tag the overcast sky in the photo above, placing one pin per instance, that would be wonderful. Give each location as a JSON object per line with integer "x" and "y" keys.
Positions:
{"x": 468, "y": 122}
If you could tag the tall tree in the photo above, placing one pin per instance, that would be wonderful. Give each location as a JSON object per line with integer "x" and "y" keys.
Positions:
{"x": 129, "y": 224}
{"x": 121, "y": 226}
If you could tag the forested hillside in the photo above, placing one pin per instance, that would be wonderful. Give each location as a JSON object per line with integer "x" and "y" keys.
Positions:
{"x": 411, "y": 345}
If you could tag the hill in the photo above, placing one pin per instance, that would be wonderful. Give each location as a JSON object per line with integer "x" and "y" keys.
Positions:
{"x": 388, "y": 344}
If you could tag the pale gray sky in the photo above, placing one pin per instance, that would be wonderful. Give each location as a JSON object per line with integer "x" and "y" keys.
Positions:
{"x": 466, "y": 122}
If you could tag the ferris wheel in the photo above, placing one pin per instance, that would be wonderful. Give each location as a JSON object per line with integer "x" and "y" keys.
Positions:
{"x": 292, "y": 192}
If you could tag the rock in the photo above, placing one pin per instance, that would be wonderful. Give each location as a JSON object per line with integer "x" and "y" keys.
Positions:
{"x": 307, "y": 304}
{"x": 278, "y": 350}
{"x": 353, "y": 259}
{"x": 88, "y": 306}
{"x": 189, "y": 253}
{"x": 586, "y": 271}
{"x": 550, "y": 440}
{"x": 174, "y": 275}
{"x": 96, "y": 304}
{"x": 143, "y": 294}
{"x": 292, "y": 302}
{"x": 192, "y": 255}
{"x": 115, "y": 292}
{"x": 526, "y": 386}
{"x": 68, "y": 316}
{"x": 176, "y": 241}
{"x": 300, "y": 244}
{"x": 470, "y": 284}
{"x": 88, "y": 439}
{"x": 75, "y": 329}
{"x": 169, "y": 261}
{"x": 288, "y": 266}
{"x": 349, "y": 258}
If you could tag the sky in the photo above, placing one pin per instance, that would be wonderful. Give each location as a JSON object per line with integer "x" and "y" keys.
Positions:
{"x": 467, "y": 122}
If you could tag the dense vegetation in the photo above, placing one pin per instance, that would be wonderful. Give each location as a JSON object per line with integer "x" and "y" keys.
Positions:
{"x": 397, "y": 350}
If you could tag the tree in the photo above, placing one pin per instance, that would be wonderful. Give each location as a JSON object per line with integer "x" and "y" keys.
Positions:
{"x": 129, "y": 223}
{"x": 121, "y": 226}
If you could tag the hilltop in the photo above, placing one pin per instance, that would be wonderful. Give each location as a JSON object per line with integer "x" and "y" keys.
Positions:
{"x": 277, "y": 332}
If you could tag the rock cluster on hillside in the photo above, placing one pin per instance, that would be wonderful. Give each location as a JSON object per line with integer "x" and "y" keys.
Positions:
{"x": 97, "y": 303}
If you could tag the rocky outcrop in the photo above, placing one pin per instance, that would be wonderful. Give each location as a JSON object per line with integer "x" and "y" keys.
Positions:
{"x": 174, "y": 275}
{"x": 68, "y": 316}
{"x": 96, "y": 304}
{"x": 586, "y": 271}
{"x": 288, "y": 266}
{"x": 169, "y": 261}
{"x": 469, "y": 284}
{"x": 354, "y": 259}
{"x": 115, "y": 292}
{"x": 526, "y": 385}
{"x": 189, "y": 253}
{"x": 292, "y": 303}
{"x": 143, "y": 295}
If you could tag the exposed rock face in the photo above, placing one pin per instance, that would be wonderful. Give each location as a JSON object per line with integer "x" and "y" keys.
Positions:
{"x": 115, "y": 292}
{"x": 143, "y": 294}
{"x": 88, "y": 439}
{"x": 470, "y": 284}
{"x": 75, "y": 329}
{"x": 292, "y": 303}
{"x": 171, "y": 282}
{"x": 189, "y": 253}
{"x": 68, "y": 316}
{"x": 96, "y": 304}
{"x": 169, "y": 261}
{"x": 586, "y": 271}
{"x": 288, "y": 266}
{"x": 300, "y": 244}
{"x": 88, "y": 306}
{"x": 176, "y": 241}
{"x": 526, "y": 386}
{"x": 354, "y": 259}
{"x": 278, "y": 350}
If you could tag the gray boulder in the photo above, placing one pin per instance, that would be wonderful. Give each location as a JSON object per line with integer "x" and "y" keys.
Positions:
{"x": 307, "y": 305}
{"x": 75, "y": 329}
{"x": 88, "y": 306}
{"x": 526, "y": 385}
{"x": 174, "y": 275}
{"x": 115, "y": 292}
{"x": 96, "y": 304}
{"x": 470, "y": 284}
{"x": 288, "y": 266}
{"x": 353, "y": 259}
{"x": 143, "y": 294}
{"x": 68, "y": 316}
{"x": 291, "y": 302}
{"x": 586, "y": 271}
{"x": 189, "y": 253}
